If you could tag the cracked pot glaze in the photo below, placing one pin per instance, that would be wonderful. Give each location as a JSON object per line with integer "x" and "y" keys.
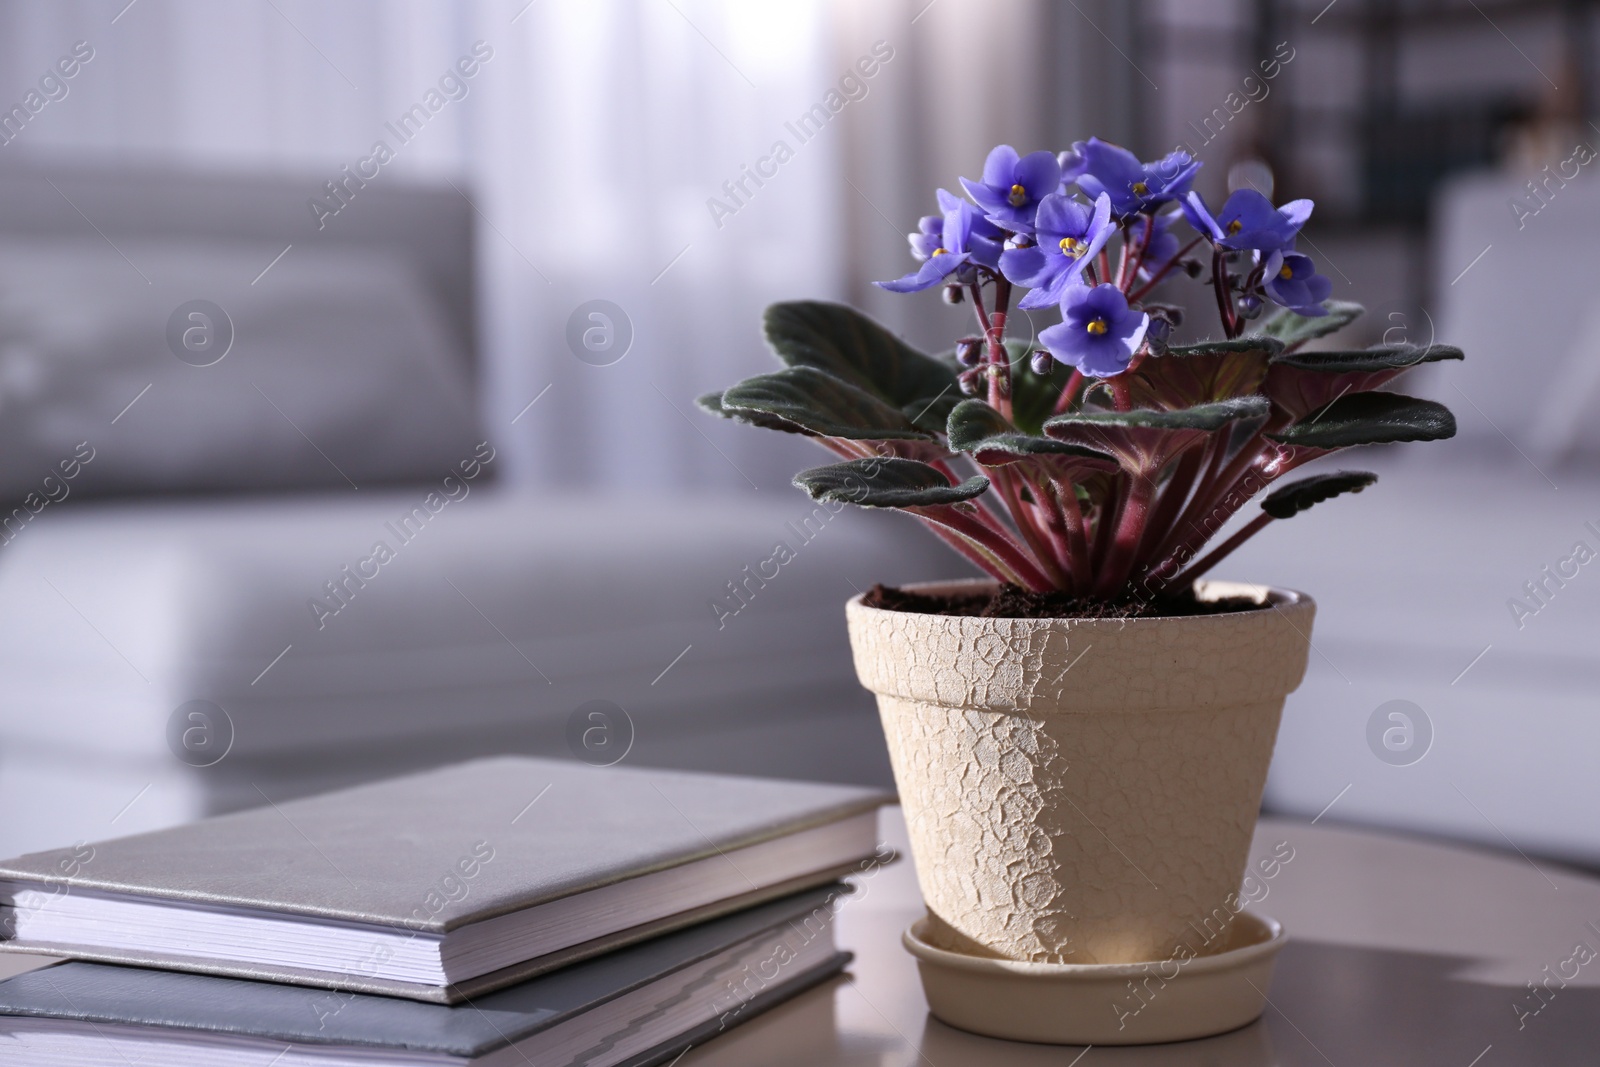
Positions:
{"x": 1081, "y": 790}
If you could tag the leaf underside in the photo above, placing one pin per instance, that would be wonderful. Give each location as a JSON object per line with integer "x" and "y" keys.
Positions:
{"x": 1297, "y": 496}
{"x": 886, "y": 483}
{"x": 1203, "y": 373}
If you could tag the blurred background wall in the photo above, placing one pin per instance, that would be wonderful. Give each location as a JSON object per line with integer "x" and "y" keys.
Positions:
{"x": 541, "y": 155}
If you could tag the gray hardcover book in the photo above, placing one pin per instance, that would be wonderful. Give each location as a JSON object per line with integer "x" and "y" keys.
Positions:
{"x": 442, "y": 885}
{"x": 640, "y": 1005}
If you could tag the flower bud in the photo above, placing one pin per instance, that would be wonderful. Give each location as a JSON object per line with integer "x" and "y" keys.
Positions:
{"x": 952, "y": 294}
{"x": 971, "y": 381}
{"x": 1249, "y": 306}
{"x": 1042, "y": 362}
{"x": 968, "y": 352}
{"x": 1002, "y": 380}
{"x": 1172, "y": 313}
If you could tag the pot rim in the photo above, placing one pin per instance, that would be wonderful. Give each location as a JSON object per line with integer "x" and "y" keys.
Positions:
{"x": 1266, "y": 596}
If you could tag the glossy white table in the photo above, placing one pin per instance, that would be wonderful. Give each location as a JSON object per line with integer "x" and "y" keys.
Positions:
{"x": 1402, "y": 952}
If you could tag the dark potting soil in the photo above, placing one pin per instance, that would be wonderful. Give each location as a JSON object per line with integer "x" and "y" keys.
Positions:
{"x": 1014, "y": 602}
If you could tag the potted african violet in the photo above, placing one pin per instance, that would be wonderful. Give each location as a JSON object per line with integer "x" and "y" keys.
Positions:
{"x": 1081, "y": 740}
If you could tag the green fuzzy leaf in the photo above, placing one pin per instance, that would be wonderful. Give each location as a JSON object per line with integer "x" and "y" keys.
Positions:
{"x": 1298, "y": 496}
{"x": 930, "y": 415}
{"x": 846, "y": 344}
{"x": 1271, "y": 346}
{"x": 886, "y": 483}
{"x": 712, "y": 402}
{"x": 1293, "y": 329}
{"x": 1370, "y": 419}
{"x": 1204, "y": 417}
{"x": 979, "y": 429}
{"x": 811, "y": 401}
{"x": 1374, "y": 360}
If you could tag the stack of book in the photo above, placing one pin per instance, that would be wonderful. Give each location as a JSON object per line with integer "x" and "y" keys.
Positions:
{"x": 503, "y": 911}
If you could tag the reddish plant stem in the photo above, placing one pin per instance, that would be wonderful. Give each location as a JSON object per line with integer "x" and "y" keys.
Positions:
{"x": 1121, "y": 395}
{"x": 1064, "y": 502}
{"x": 1130, "y": 530}
{"x": 1156, "y": 278}
{"x": 1006, "y": 550}
{"x": 1105, "y": 524}
{"x": 1047, "y": 492}
{"x": 1069, "y": 393}
{"x": 1169, "y": 500}
{"x": 1007, "y": 481}
{"x": 969, "y": 549}
{"x": 1219, "y": 483}
{"x": 1219, "y": 283}
{"x": 1222, "y": 551}
{"x": 990, "y": 516}
{"x": 1229, "y": 499}
{"x": 1128, "y": 269}
{"x": 1000, "y": 376}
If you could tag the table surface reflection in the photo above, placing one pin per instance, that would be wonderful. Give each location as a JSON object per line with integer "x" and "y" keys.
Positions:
{"x": 1401, "y": 951}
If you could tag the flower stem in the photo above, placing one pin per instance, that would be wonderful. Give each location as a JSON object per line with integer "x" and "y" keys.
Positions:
{"x": 1156, "y": 278}
{"x": 1000, "y": 379}
{"x": 1219, "y": 282}
{"x": 1069, "y": 393}
{"x": 1133, "y": 263}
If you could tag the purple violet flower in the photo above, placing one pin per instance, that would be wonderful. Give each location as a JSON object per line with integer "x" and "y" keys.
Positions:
{"x": 1070, "y": 234}
{"x": 928, "y": 238}
{"x": 1012, "y": 186}
{"x": 1072, "y": 165}
{"x": 1132, "y": 186}
{"x": 1292, "y": 280}
{"x": 953, "y": 243}
{"x": 1099, "y": 332}
{"x": 1249, "y": 221}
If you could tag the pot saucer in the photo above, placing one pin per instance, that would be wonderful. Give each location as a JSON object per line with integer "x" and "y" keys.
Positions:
{"x": 1102, "y": 1004}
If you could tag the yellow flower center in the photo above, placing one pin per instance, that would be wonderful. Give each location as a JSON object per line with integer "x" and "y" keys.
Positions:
{"x": 1286, "y": 273}
{"x": 1018, "y": 197}
{"x": 1235, "y": 226}
{"x": 1071, "y": 246}
{"x": 1097, "y": 326}
{"x": 1141, "y": 189}
{"x": 941, "y": 252}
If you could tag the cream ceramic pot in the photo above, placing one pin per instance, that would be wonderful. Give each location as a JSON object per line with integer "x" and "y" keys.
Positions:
{"x": 1081, "y": 790}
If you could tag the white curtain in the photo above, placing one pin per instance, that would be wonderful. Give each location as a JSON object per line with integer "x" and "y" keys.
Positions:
{"x": 596, "y": 143}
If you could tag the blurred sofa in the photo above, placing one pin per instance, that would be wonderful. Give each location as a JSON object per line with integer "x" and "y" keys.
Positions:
{"x": 271, "y": 557}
